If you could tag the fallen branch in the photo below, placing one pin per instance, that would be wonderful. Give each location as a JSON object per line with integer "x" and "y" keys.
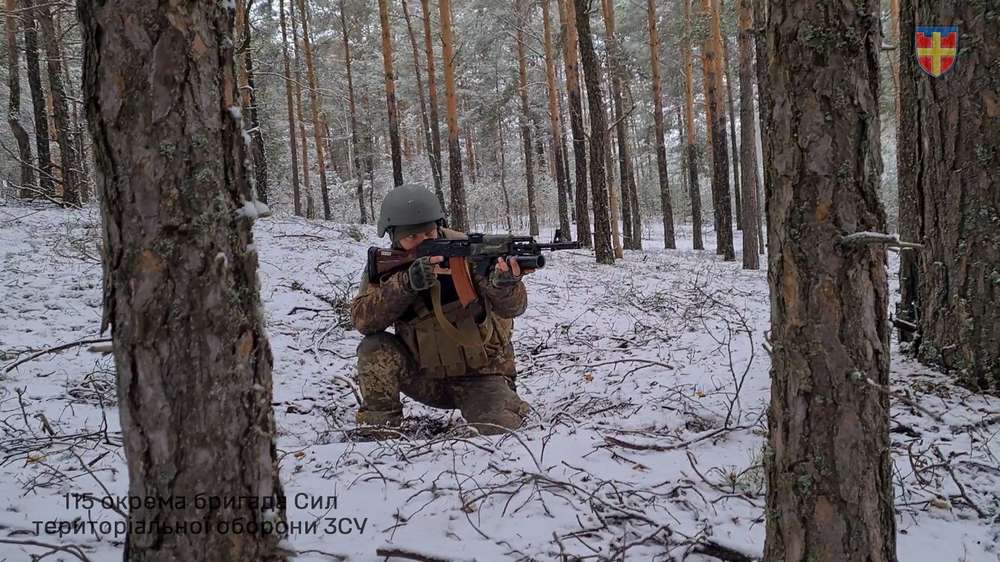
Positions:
{"x": 660, "y": 448}
{"x": 393, "y": 552}
{"x": 73, "y": 549}
{"x": 55, "y": 349}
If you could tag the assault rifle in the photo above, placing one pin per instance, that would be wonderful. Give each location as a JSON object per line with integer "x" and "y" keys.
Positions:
{"x": 478, "y": 251}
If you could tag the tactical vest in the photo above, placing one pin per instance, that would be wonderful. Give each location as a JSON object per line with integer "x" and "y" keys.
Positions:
{"x": 470, "y": 349}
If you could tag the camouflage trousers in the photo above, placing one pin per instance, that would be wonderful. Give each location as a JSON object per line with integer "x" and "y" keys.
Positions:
{"x": 386, "y": 368}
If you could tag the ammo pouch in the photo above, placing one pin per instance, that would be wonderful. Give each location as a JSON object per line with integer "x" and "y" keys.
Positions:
{"x": 439, "y": 353}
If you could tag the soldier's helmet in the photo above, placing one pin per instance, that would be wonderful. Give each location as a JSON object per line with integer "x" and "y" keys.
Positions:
{"x": 406, "y": 205}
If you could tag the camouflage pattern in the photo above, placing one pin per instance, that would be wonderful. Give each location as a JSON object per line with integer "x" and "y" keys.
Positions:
{"x": 387, "y": 364}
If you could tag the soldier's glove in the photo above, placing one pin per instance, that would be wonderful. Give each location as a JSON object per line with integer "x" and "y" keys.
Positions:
{"x": 503, "y": 279}
{"x": 421, "y": 274}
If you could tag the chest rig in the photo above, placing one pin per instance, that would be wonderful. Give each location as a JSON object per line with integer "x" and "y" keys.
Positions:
{"x": 450, "y": 340}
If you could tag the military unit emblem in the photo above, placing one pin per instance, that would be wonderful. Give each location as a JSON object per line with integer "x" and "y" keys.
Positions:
{"x": 937, "y": 49}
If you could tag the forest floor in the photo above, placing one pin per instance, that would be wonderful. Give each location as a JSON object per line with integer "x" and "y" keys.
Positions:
{"x": 649, "y": 383}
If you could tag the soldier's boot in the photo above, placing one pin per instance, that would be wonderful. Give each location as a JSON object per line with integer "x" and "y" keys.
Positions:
{"x": 490, "y": 403}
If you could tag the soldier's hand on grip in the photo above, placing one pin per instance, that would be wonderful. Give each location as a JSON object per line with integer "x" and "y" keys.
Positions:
{"x": 421, "y": 273}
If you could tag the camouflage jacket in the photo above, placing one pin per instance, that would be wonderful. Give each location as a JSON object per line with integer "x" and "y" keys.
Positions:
{"x": 392, "y": 302}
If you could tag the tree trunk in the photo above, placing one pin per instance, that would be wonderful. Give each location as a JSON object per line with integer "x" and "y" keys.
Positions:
{"x": 428, "y": 143}
{"x": 614, "y": 198}
{"x": 716, "y": 117}
{"x": 570, "y": 58}
{"x": 306, "y": 176}
{"x": 760, "y": 11}
{"x": 45, "y": 178}
{"x": 550, "y": 77}
{"x": 955, "y": 211}
{"x": 432, "y": 94}
{"x": 27, "y": 185}
{"x": 68, "y": 159}
{"x": 735, "y": 150}
{"x": 292, "y": 136}
{"x": 598, "y": 136}
{"x": 829, "y": 485}
{"x": 666, "y": 206}
{"x": 77, "y": 123}
{"x": 459, "y": 213}
{"x": 314, "y": 103}
{"x": 191, "y": 353}
{"x": 354, "y": 117}
{"x": 248, "y": 100}
{"x": 629, "y": 213}
{"x": 390, "y": 93}
{"x": 748, "y": 139}
{"x": 633, "y": 188}
{"x": 525, "y": 118}
{"x": 691, "y": 151}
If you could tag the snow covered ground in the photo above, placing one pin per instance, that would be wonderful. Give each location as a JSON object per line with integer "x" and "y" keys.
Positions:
{"x": 648, "y": 379}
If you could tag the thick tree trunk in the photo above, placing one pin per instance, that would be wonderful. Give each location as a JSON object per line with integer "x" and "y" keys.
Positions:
{"x": 955, "y": 191}
{"x": 355, "y": 148}
{"x": 292, "y": 136}
{"x": 525, "y": 118}
{"x": 554, "y": 124}
{"x": 248, "y": 98}
{"x": 314, "y": 103}
{"x": 748, "y": 139}
{"x": 69, "y": 161}
{"x": 666, "y": 206}
{"x": 40, "y": 114}
{"x": 829, "y": 485}
{"x": 570, "y": 58}
{"x": 734, "y": 149}
{"x": 598, "y": 136}
{"x": 389, "y": 75}
{"x": 192, "y": 357}
{"x": 432, "y": 95}
{"x": 306, "y": 176}
{"x": 27, "y": 185}
{"x": 716, "y": 117}
{"x": 459, "y": 212}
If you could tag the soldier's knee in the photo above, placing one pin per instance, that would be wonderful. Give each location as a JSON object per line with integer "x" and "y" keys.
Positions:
{"x": 374, "y": 343}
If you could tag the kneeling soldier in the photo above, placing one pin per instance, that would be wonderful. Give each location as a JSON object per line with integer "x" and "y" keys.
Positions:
{"x": 421, "y": 359}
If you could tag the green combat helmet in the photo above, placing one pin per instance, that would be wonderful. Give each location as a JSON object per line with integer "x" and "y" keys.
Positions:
{"x": 406, "y": 205}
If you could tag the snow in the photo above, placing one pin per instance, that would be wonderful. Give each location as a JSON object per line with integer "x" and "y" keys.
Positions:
{"x": 614, "y": 360}
{"x": 253, "y": 210}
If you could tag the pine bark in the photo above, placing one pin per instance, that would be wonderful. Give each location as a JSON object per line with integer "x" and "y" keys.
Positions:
{"x": 691, "y": 134}
{"x": 525, "y": 117}
{"x": 666, "y": 206}
{"x": 459, "y": 212}
{"x": 951, "y": 203}
{"x": 355, "y": 147}
{"x": 711, "y": 52}
{"x": 555, "y": 127}
{"x": 598, "y": 138}
{"x": 248, "y": 101}
{"x": 828, "y": 462}
{"x": 389, "y": 75}
{"x": 314, "y": 104}
{"x": 38, "y": 103}
{"x": 191, "y": 353}
{"x": 432, "y": 99}
{"x": 306, "y": 176}
{"x": 631, "y": 222}
{"x": 734, "y": 149}
{"x": 614, "y": 193}
{"x": 428, "y": 143}
{"x": 69, "y": 161}
{"x": 570, "y": 58}
{"x": 27, "y": 179}
{"x": 292, "y": 136}
{"x": 748, "y": 139}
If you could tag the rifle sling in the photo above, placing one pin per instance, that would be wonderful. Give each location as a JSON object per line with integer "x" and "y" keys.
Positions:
{"x": 465, "y": 340}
